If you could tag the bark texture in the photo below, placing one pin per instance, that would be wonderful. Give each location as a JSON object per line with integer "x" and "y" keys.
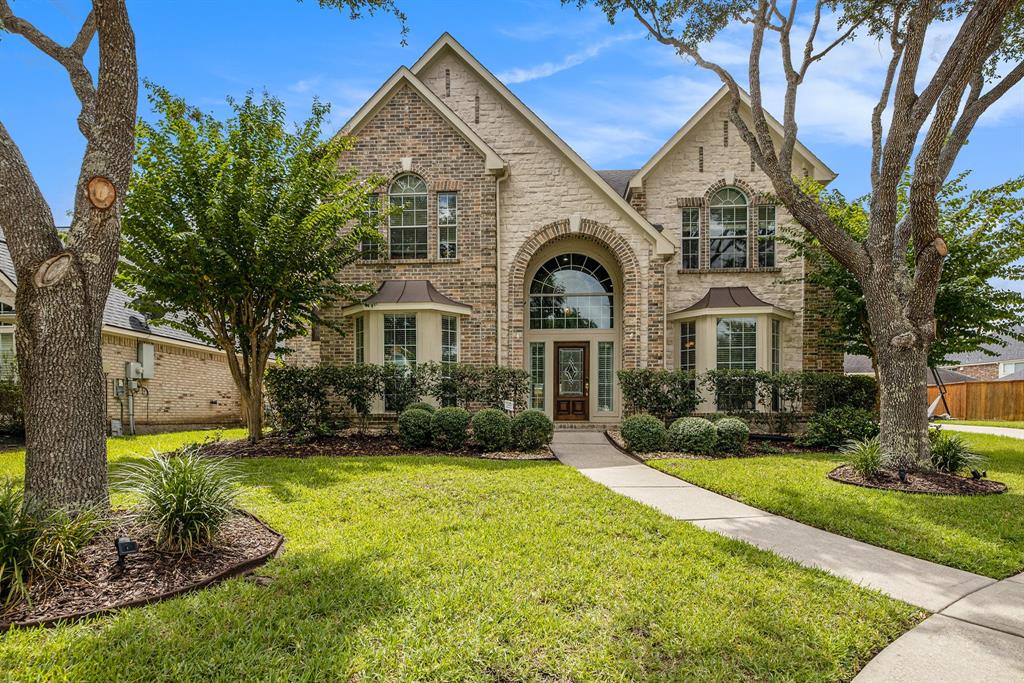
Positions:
{"x": 63, "y": 286}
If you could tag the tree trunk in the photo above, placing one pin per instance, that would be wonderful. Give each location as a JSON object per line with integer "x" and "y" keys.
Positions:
{"x": 253, "y": 412}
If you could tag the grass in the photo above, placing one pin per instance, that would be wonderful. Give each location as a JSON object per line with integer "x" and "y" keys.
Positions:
{"x": 982, "y": 534}
{"x": 1012, "y": 424}
{"x": 460, "y": 569}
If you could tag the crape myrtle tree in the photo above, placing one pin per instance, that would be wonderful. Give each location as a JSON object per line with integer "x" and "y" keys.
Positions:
{"x": 929, "y": 119}
{"x": 231, "y": 229}
{"x": 63, "y": 284}
{"x": 984, "y": 230}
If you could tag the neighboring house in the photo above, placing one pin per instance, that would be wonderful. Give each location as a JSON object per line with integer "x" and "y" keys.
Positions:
{"x": 510, "y": 249}
{"x": 1006, "y": 362}
{"x": 861, "y": 365}
{"x": 189, "y": 383}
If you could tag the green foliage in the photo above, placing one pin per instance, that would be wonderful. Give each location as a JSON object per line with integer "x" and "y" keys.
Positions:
{"x": 185, "y": 497}
{"x": 12, "y": 408}
{"x": 300, "y": 401}
{"x": 492, "y": 429}
{"x": 358, "y": 385}
{"x": 827, "y": 390}
{"x": 833, "y": 428}
{"x": 470, "y": 386}
{"x": 644, "y": 433}
{"x": 865, "y": 456}
{"x": 732, "y": 434}
{"x": 422, "y": 405}
{"x": 18, "y": 533}
{"x": 532, "y": 429}
{"x": 414, "y": 428}
{"x": 450, "y": 426}
{"x": 499, "y": 384}
{"x": 666, "y": 394}
{"x": 456, "y": 384}
{"x": 230, "y": 228}
{"x": 402, "y": 385}
{"x": 951, "y": 453}
{"x": 693, "y": 435}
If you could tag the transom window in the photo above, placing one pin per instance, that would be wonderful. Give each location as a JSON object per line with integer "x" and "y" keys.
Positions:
{"x": 408, "y": 227}
{"x": 571, "y": 291}
{"x": 689, "y": 243}
{"x": 728, "y": 229}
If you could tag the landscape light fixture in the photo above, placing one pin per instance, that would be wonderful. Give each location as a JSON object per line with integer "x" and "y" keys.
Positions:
{"x": 125, "y": 547}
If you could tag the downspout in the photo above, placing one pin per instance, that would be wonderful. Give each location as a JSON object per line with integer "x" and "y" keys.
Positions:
{"x": 497, "y": 265}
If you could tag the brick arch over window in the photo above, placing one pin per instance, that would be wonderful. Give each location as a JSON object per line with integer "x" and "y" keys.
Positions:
{"x": 626, "y": 260}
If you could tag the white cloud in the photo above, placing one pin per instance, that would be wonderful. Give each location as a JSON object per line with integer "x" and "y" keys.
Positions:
{"x": 532, "y": 73}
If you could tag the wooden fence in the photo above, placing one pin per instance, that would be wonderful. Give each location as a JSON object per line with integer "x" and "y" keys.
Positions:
{"x": 982, "y": 400}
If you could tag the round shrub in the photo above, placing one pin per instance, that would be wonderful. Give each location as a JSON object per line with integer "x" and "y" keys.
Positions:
{"x": 421, "y": 405}
{"x": 492, "y": 429}
{"x": 644, "y": 433}
{"x": 450, "y": 427}
{"x": 693, "y": 435}
{"x": 414, "y": 428}
{"x": 733, "y": 434}
{"x": 833, "y": 428}
{"x": 532, "y": 429}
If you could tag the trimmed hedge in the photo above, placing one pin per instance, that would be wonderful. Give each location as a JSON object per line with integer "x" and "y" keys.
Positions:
{"x": 733, "y": 434}
{"x": 492, "y": 429}
{"x": 532, "y": 429}
{"x": 451, "y": 428}
{"x": 693, "y": 435}
{"x": 414, "y": 428}
{"x": 833, "y": 428}
{"x": 666, "y": 394}
{"x": 644, "y": 433}
{"x": 422, "y": 405}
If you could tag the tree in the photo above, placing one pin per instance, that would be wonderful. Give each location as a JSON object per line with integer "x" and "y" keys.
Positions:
{"x": 231, "y": 230}
{"x": 63, "y": 285}
{"x": 985, "y": 233}
{"x": 931, "y": 118}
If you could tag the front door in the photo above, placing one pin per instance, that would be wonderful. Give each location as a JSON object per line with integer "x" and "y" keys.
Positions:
{"x": 572, "y": 383}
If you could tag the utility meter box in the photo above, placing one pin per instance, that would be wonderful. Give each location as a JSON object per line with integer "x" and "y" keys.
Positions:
{"x": 133, "y": 370}
{"x": 146, "y": 360}
{"x": 115, "y": 428}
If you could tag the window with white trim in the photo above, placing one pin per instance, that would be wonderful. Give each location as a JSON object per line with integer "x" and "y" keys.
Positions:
{"x": 776, "y": 360}
{"x": 689, "y": 239}
{"x": 737, "y": 344}
{"x": 537, "y": 375}
{"x": 369, "y": 249}
{"x": 727, "y": 231}
{"x": 449, "y": 340}
{"x": 407, "y": 230}
{"x": 766, "y": 236}
{"x": 8, "y": 357}
{"x": 360, "y": 341}
{"x": 605, "y": 373}
{"x": 688, "y": 345}
{"x": 569, "y": 292}
{"x": 400, "y": 338}
{"x": 447, "y": 225}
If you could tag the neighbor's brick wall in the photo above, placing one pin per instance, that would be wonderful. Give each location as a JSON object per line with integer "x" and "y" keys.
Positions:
{"x": 985, "y": 371}
{"x": 189, "y": 386}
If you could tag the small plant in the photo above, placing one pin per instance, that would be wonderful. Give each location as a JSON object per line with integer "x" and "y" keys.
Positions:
{"x": 414, "y": 428}
{"x": 18, "y": 532}
{"x": 60, "y": 539}
{"x": 421, "y": 405}
{"x": 733, "y": 434}
{"x": 450, "y": 427}
{"x": 833, "y": 428}
{"x": 865, "y": 456}
{"x": 693, "y": 435}
{"x": 644, "y": 433}
{"x": 185, "y": 497}
{"x": 492, "y": 429}
{"x": 532, "y": 429}
{"x": 951, "y": 454}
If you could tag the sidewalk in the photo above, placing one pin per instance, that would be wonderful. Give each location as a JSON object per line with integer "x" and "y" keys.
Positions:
{"x": 977, "y": 632}
{"x": 975, "y": 429}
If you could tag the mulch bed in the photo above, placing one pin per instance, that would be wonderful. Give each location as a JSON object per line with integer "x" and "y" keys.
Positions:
{"x": 615, "y": 436}
{"x": 97, "y": 585}
{"x": 937, "y": 483}
{"x": 350, "y": 443}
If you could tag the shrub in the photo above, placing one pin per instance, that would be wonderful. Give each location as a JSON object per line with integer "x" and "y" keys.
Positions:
{"x": 12, "y": 412}
{"x": 692, "y": 435}
{"x": 664, "y": 393}
{"x": 186, "y": 497}
{"x": 532, "y": 429}
{"x": 833, "y": 428}
{"x": 17, "y": 537}
{"x": 734, "y": 391}
{"x": 824, "y": 391}
{"x": 402, "y": 385}
{"x": 61, "y": 537}
{"x": 450, "y": 426}
{"x": 358, "y": 385}
{"x": 492, "y": 429}
{"x": 455, "y": 384}
{"x": 644, "y": 433}
{"x": 732, "y": 434}
{"x": 499, "y": 384}
{"x": 422, "y": 405}
{"x": 299, "y": 400}
{"x": 865, "y": 456}
{"x": 950, "y": 453}
{"x": 414, "y": 428}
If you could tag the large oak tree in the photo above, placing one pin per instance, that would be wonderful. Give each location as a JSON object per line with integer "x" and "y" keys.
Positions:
{"x": 930, "y": 119}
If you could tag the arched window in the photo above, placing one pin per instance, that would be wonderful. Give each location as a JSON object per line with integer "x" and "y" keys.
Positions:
{"x": 728, "y": 229}
{"x": 571, "y": 291}
{"x": 408, "y": 228}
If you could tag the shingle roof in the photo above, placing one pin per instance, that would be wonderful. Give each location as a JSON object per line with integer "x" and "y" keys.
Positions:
{"x": 409, "y": 292}
{"x": 726, "y": 297}
{"x": 854, "y": 365}
{"x": 1014, "y": 350}
{"x": 117, "y": 312}
{"x": 619, "y": 180}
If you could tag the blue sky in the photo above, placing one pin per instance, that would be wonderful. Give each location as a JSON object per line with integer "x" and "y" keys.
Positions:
{"x": 609, "y": 92}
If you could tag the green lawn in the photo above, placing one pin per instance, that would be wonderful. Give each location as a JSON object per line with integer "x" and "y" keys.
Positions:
{"x": 459, "y": 569}
{"x": 984, "y": 423}
{"x": 982, "y": 534}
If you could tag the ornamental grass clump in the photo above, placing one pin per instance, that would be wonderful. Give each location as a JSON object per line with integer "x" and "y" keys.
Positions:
{"x": 644, "y": 433}
{"x": 865, "y": 456}
{"x": 693, "y": 435}
{"x": 951, "y": 454}
{"x": 184, "y": 497}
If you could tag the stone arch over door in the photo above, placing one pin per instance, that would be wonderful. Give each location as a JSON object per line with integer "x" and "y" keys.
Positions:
{"x": 632, "y": 280}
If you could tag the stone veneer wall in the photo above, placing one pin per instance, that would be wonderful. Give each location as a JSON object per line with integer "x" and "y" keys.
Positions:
{"x": 406, "y": 126}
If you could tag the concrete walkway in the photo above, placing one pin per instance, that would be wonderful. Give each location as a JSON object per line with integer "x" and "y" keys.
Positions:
{"x": 976, "y": 633}
{"x": 975, "y": 429}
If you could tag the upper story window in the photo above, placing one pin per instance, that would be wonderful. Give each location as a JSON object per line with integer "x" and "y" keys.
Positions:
{"x": 728, "y": 229}
{"x": 369, "y": 249}
{"x": 571, "y": 291}
{"x": 766, "y": 236}
{"x": 408, "y": 227}
{"x": 447, "y": 225}
{"x": 689, "y": 242}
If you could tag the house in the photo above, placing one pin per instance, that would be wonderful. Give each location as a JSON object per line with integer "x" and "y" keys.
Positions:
{"x": 861, "y": 365}
{"x": 180, "y": 381}
{"x": 510, "y": 249}
{"x": 1003, "y": 362}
